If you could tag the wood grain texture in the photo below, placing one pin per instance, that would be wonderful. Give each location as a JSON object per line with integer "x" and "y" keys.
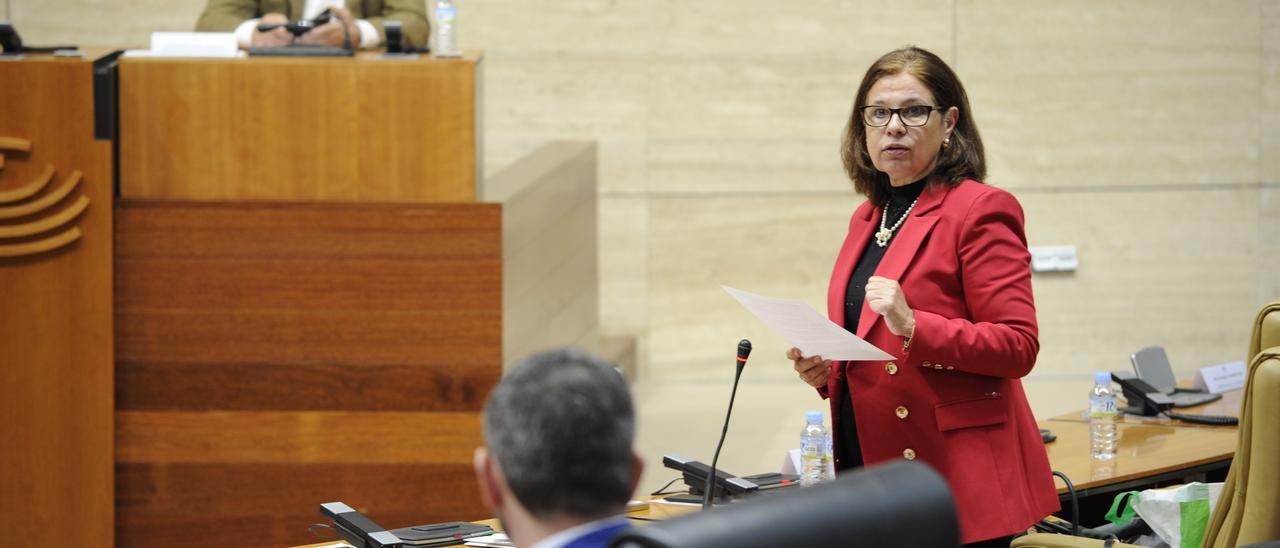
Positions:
{"x": 56, "y": 475}
{"x": 359, "y": 129}
{"x": 272, "y": 357}
{"x": 295, "y": 437}
{"x": 179, "y": 504}
{"x": 1142, "y": 451}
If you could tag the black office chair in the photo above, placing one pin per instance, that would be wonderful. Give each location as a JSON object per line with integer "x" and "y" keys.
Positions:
{"x": 902, "y": 503}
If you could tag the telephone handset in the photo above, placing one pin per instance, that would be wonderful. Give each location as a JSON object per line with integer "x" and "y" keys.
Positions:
{"x": 1143, "y": 398}
{"x": 1149, "y": 401}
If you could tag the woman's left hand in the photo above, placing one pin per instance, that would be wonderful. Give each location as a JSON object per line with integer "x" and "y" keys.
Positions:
{"x": 885, "y": 297}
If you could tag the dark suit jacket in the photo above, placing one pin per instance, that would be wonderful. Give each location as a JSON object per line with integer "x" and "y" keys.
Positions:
{"x": 953, "y": 398}
{"x": 226, "y": 15}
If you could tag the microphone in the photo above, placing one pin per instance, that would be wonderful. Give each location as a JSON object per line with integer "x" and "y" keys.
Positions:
{"x": 744, "y": 350}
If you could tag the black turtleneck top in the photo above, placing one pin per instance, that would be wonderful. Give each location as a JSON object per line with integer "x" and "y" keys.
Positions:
{"x": 900, "y": 198}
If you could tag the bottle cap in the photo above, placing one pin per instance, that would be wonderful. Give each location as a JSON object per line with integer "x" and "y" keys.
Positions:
{"x": 813, "y": 416}
{"x": 1102, "y": 377}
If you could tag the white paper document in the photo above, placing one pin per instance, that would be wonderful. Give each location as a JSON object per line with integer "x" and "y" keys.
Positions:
{"x": 807, "y": 330}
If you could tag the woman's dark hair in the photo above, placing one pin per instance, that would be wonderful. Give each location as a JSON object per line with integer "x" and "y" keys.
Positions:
{"x": 963, "y": 159}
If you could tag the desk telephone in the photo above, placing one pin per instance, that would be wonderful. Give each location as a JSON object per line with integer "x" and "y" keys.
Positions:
{"x": 1149, "y": 401}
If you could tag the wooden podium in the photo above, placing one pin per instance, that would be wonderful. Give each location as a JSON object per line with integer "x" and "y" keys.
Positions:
{"x": 311, "y": 292}
{"x": 56, "y": 425}
{"x": 366, "y": 129}
{"x": 301, "y": 293}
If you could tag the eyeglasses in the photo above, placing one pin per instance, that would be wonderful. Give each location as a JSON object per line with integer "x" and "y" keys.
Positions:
{"x": 912, "y": 116}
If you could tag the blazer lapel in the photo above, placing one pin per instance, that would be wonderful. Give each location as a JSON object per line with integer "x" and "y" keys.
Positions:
{"x": 903, "y": 248}
{"x": 850, "y": 252}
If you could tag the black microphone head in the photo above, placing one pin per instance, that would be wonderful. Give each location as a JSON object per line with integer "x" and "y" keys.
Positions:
{"x": 744, "y": 350}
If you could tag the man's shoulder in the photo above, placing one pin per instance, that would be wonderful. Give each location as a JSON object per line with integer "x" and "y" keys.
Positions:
{"x": 601, "y": 536}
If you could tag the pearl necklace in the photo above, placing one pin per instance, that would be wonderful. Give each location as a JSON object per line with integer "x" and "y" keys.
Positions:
{"x": 883, "y": 235}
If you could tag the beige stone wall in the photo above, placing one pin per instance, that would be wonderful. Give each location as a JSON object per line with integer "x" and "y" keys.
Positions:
{"x": 1147, "y": 133}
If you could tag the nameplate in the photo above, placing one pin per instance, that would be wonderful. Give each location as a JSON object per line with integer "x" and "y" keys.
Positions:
{"x": 791, "y": 464}
{"x": 1220, "y": 378}
{"x": 194, "y": 44}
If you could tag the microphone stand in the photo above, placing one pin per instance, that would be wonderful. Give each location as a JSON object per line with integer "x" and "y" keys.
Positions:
{"x": 744, "y": 348}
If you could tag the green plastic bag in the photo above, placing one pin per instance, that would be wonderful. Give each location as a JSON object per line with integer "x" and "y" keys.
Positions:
{"x": 1122, "y": 510}
{"x": 1178, "y": 515}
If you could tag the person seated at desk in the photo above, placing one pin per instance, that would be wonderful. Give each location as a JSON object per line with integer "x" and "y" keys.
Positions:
{"x": 559, "y": 464}
{"x": 363, "y": 20}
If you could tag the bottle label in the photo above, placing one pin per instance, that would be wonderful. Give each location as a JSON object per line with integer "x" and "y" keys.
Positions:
{"x": 1102, "y": 407}
{"x": 810, "y": 447}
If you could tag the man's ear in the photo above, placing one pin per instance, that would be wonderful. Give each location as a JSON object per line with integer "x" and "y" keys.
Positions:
{"x": 488, "y": 479}
{"x": 637, "y": 468}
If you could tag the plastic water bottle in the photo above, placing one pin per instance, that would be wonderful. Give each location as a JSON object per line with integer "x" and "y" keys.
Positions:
{"x": 446, "y": 29}
{"x": 829, "y": 472}
{"x": 1102, "y": 417}
{"x": 814, "y": 443}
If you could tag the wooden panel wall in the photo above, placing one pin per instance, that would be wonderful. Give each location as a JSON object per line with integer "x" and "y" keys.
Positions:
{"x": 357, "y": 129}
{"x": 550, "y": 278}
{"x": 274, "y": 357}
{"x": 55, "y": 309}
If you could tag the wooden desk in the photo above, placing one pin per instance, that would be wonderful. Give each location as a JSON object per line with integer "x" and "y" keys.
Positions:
{"x": 1146, "y": 454}
{"x": 1228, "y": 406}
{"x": 301, "y": 129}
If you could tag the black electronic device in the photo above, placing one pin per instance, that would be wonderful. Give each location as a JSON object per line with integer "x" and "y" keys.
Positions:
{"x": 1046, "y": 436}
{"x": 11, "y": 43}
{"x": 298, "y": 50}
{"x": 441, "y": 534}
{"x": 395, "y": 36}
{"x": 1152, "y": 365}
{"x": 744, "y": 350}
{"x": 1148, "y": 400}
{"x": 356, "y": 529}
{"x": 695, "y": 477}
{"x": 1142, "y": 397}
{"x": 298, "y": 27}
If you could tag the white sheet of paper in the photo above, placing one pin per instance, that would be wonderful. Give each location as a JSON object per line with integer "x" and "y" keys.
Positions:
{"x": 807, "y": 330}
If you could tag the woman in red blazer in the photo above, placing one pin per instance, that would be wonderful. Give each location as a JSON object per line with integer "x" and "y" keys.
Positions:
{"x": 935, "y": 270}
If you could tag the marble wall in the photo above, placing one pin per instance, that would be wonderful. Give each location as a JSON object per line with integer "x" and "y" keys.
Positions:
{"x": 1147, "y": 133}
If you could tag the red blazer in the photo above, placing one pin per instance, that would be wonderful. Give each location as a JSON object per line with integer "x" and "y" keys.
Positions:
{"x": 953, "y": 398}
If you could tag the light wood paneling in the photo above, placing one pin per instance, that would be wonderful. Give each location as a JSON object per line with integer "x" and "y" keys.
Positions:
{"x": 274, "y": 357}
{"x": 56, "y": 479}
{"x": 550, "y": 288}
{"x": 266, "y": 504}
{"x": 363, "y": 129}
{"x": 205, "y": 437}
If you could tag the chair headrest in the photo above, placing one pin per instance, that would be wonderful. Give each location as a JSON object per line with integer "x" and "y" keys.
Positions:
{"x": 901, "y": 503}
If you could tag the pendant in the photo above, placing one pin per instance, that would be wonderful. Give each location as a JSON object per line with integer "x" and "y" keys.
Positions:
{"x": 882, "y": 237}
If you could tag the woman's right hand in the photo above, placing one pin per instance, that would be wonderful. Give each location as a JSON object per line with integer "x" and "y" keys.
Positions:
{"x": 813, "y": 370}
